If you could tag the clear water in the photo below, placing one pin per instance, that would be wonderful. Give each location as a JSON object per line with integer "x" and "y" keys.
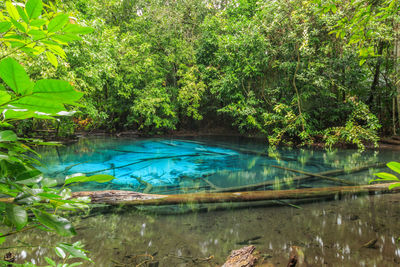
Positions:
{"x": 188, "y": 165}
{"x": 330, "y": 233}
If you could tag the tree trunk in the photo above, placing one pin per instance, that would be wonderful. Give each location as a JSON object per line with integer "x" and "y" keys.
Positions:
{"x": 116, "y": 197}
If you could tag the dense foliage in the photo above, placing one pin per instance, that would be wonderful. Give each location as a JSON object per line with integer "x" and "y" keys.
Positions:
{"x": 29, "y": 200}
{"x": 294, "y": 71}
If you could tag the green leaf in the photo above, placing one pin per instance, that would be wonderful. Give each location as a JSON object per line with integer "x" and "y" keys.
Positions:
{"x": 8, "y": 136}
{"x": 58, "y": 22}
{"x": 50, "y": 261}
{"x": 17, "y": 215}
{"x": 49, "y": 195}
{"x": 38, "y": 22}
{"x": 48, "y": 97}
{"x": 60, "y": 253}
{"x": 4, "y": 97}
{"x": 52, "y": 59}
{"x": 394, "y": 186}
{"x": 14, "y": 75}
{"x": 28, "y": 174}
{"x": 2, "y": 239}
{"x": 386, "y": 176}
{"x": 74, "y": 28}
{"x": 59, "y": 224}
{"x": 23, "y": 15}
{"x": 18, "y": 25}
{"x": 67, "y": 37}
{"x": 5, "y": 26}
{"x": 37, "y": 34}
{"x": 74, "y": 252}
{"x": 394, "y": 166}
{"x": 48, "y": 182}
{"x": 33, "y": 8}
{"x": 12, "y": 11}
{"x": 100, "y": 178}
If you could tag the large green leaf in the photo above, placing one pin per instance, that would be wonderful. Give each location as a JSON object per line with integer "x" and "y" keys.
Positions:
{"x": 59, "y": 224}
{"x": 22, "y": 13}
{"x": 394, "y": 166}
{"x": 4, "y": 97}
{"x": 5, "y": 26}
{"x": 74, "y": 28}
{"x": 8, "y": 136}
{"x": 14, "y": 75}
{"x": 66, "y": 37}
{"x": 52, "y": 59}
{"x": 386, "y": 176}
{"x": 100, "y": 178}
{"x": 33, "y": 8}
{"x": 49, "y": 96}
{"x": 12, "y": 10}
{"x": 17, "y": 215}
{"x": 73, "y": 251}
{"x": 58, "y": 22}
{"x": 38, "y": 22}
{"x": 392, "y": 186}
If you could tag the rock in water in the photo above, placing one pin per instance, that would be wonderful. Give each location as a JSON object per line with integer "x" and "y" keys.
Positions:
{"x": 241, "y": 258}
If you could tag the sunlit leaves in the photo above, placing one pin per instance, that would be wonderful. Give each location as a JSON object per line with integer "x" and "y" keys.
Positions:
{"x": 4, "y": 26}
{"x": 7, "y": 136}
{"x": 394, "y": 166}
{"x": 45, "y": 96}
{"x": 33, "y": 8}
{"x": 14, "y": 75}
{"x": 76, "y": 29}
{"x": 58, "y": 22}
{"x": 52, "y": 58}
{"x": 12, "y": 10}
{"x": 100, "y": 178}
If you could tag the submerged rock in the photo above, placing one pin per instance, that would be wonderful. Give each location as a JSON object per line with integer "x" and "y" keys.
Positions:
{"x": 241, "y": 258}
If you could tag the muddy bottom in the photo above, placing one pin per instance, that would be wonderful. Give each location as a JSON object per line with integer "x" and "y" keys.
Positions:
{"x": 331, "y": 233}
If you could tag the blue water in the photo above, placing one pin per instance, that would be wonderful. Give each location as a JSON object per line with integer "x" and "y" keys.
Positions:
{"x": 190, "y": 165}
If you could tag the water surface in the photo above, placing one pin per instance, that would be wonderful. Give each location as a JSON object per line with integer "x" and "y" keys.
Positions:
{"x": 161, "y": 165}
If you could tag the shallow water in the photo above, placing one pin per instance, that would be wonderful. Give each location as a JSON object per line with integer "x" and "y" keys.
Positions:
{"x": 331, "y": 233}
{"x": 183, "y": 165}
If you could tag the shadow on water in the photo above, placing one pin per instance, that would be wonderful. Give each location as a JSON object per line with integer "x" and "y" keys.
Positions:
{"x": 332, "y": 233}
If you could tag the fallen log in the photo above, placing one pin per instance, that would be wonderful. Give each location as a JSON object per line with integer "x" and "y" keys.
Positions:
{"x": 116, "y": 197}
{"x": 337, "y": 180}
{"x": 297, "y": 178}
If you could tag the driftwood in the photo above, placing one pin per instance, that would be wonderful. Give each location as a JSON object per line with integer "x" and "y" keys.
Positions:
{"x": 337, "y": 180}
{"x": 115, "y": 197}
{"x": 241, "y": 257}
{"x": 298, "y": 178}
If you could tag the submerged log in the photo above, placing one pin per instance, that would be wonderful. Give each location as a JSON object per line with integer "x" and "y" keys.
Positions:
{"x": 115, "y": 197}
{"x": 241, "y": 257}
{"x": 298, "y": 178}
{"x": 324, "y": 177}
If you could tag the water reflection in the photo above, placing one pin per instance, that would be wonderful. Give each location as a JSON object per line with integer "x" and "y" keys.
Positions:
{"x": 332, "y": 233}
{"x": 181, "y": 166}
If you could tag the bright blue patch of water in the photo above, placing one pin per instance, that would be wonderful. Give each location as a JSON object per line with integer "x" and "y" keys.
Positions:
{"x": 192, "y": 165}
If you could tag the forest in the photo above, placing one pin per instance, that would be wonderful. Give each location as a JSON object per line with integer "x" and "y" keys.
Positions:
{"x": 311, "y": 86}
{"x": 295, "y": 72}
